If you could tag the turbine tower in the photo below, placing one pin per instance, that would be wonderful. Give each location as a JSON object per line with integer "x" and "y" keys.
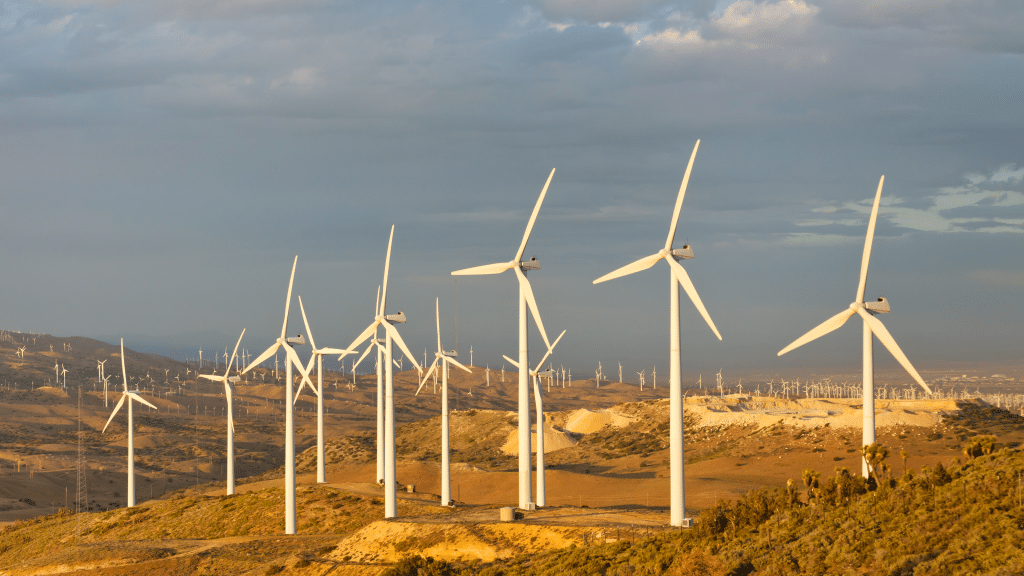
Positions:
{"x": 318, "y": 356}
{"x": 289, "y": 416}
{"x": 129, "y": 395}
{"x": 526, "y": 299}
{"x": 872, "y": 327}
{"x": 445, "y": 358}
{"x": 392, "y": 337}
{"x": 535, "y": 375}
{"x": 677, "y": 277}
{"x": 229, "y": 386}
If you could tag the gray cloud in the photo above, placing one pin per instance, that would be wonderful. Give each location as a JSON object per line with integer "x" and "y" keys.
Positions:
{"x": 168, "y": 160}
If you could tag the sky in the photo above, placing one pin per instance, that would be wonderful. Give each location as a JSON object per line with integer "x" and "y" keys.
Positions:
{"x": 161, "y": 164}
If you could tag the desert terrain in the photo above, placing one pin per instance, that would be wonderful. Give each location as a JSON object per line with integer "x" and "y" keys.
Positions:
{"x": 606, "y": 454}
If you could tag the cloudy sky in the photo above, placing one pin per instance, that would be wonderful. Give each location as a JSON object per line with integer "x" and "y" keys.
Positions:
{"x": 162, "y": 162}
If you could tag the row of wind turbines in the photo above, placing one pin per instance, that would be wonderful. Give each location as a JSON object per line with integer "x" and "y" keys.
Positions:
{"x": 678, "y": 278}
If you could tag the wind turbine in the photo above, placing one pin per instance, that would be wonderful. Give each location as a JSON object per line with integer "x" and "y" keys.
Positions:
{"x": 392, "y": 337}
{"x": 129, "y": 395}
{"x": 677, "y": 277}
{"x": 535, "y": 374}
{"x": 526, "y": 299}
{"x": 229, "y": 385}
{"x": 318, "y": 355}
{"x": 445, "y": 358}
{"x": 872, "y": 326}
{"x": 289, "y": 429}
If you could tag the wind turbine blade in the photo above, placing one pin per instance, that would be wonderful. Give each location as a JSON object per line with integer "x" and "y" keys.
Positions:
{"x": 495, "y": 268}
{"x": 820, "y": 330}
{"x": 370, "y": 331}
{"x": 889, "y": 342}
{"x": 679, "y": 199}
{"x": 401, "y": 344}
{"x": 427, "y": 376}
{"x": 124, "y": 373}
{"x": 298, "y": 364}
{"x": 456, "y": 363}
{"x": 387, "y": 264}
{"x": 377, "y": 310}
{"x": 533, "y": 218}
{"x": 550, "y": 350}
{"x": 136, "y": 396}
{"x": 360, "y": 361}
{"x": 312, "y": 344}
{"x": 333, "y": 351}
{"x": 641, "y": 264}
{"x": 266, "y": 354}
{"x": 299, "y": 392}
{"x": 213, "y": 377}
{"x": 437, "y": 310}
{"x": 868, "y": 240}
{"x": 233, "y": 354}
{"x": 684, "y": 279}
{"x": 531, "y": 302}
{"x": 288, "y": 301}
{"x": 114, "y": 413}
{"x": 511, "y": 361}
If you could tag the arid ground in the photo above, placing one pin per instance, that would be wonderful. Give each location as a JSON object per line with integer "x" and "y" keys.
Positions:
{"x": 606, "y": 454}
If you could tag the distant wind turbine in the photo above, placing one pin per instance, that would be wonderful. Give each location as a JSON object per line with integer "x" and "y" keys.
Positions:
{"x": 526, "y": 300}
{"x": 318, "y": 355}
{"x": 229, "y": 386}
{"x": 535, "y": 375}
{"x": 129, "y": 395}
{"x": 289, "y": 427}
{"x": 677, "y": 277}
{"x": 391, "y": 336}
{"x": 445, "y": 358}
{"x": 872, "y": 327}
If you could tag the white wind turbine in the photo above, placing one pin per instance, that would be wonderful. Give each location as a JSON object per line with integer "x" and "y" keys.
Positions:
{"x": 445, "y": 358}
{"x": 526, "y": 299}
{"x": 392, "y": 336}
{"x": 535, "y": 375}
{"x": 129, "y": 395}
{"x": 677, "y": 277}
{"x": 872, "y": 326}
{"x": 289, "y": 429}
{"x": 318, "y": 355}
{"x": 229, "y": 385}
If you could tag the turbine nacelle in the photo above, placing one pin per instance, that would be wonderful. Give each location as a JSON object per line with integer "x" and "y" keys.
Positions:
{"x": 684, "y": 253}
{"x": 531, "y": 264}
{"x": 400, "y": 317}
{"x": 879, "y": 307}
{"x": 299, "y": 340}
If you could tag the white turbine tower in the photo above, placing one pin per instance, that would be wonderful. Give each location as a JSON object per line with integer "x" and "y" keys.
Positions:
{"x": 129, "y": 395}
{"x": 229, "y": 385}
{"x": 445, "y": 358}
{"x": 289, "y": 417}
{"x": 677, "y": 277}
{"x": 318, "y": 355}
{"x": 392, "y": 336}
{"x": 872, "y": 326}
{"x": 535, "y": 375}
{"x": 526, "y": 299}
